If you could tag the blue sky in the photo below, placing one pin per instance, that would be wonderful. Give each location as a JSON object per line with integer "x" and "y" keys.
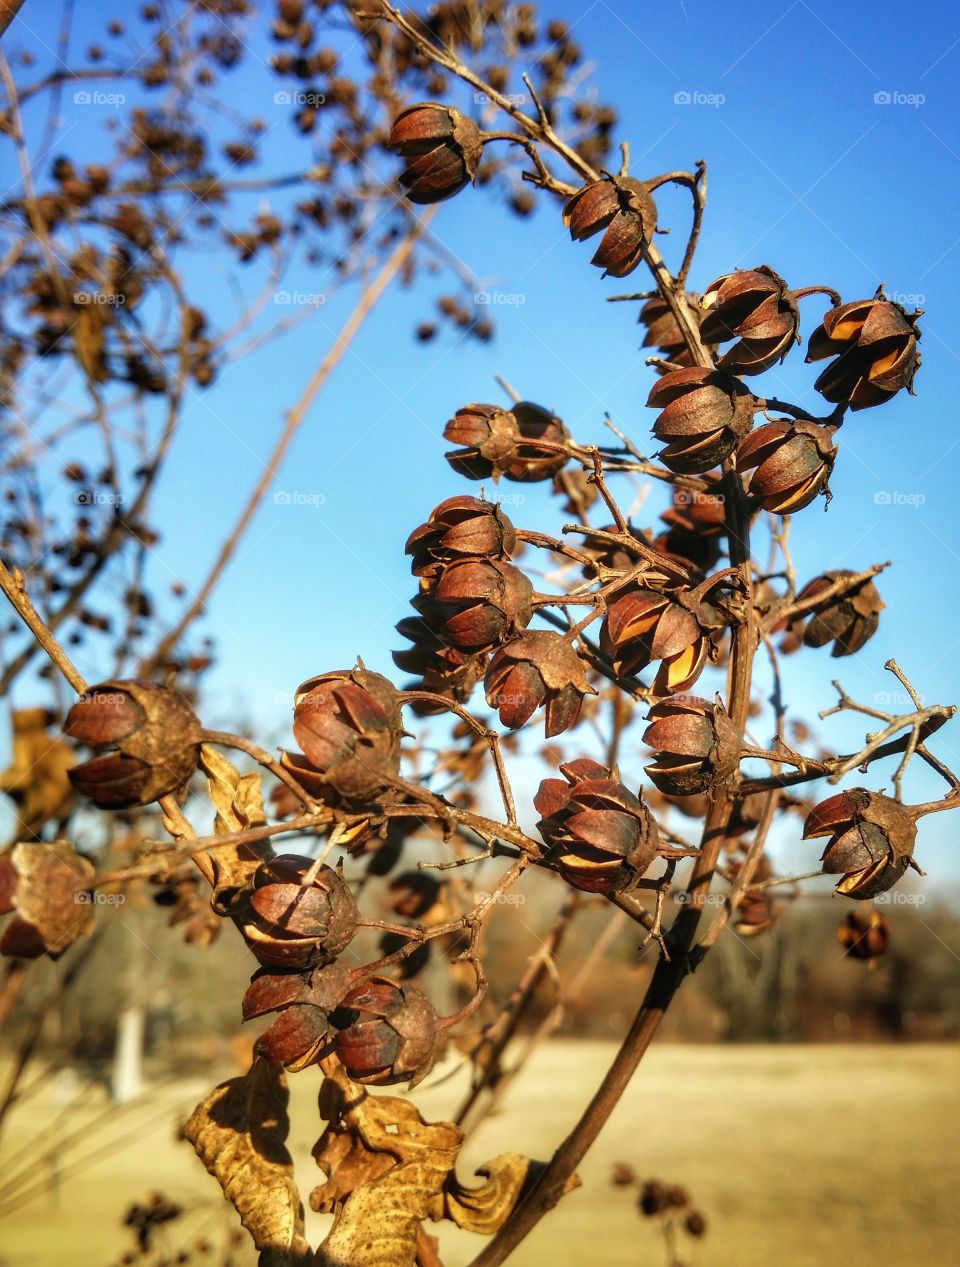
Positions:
{"x": 832, "y": 137}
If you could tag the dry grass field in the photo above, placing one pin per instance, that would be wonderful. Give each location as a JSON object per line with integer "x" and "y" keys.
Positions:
{"x": 825, "y": 1156}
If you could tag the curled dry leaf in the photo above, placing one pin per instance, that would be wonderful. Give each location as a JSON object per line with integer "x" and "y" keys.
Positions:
{"x": 238, "y": 800}
{"x": 239, "y": 1131}
{"x": 388, "y": 1170}
{"x": 485, "y": 1209}
{"x": 36, "y": 779}
{"x": 385, "y": 1167}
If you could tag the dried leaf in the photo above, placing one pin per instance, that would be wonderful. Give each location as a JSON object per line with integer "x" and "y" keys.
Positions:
{"x": 485, "y": 1209}
{"x": 386, "y": 1166}
{"x": 239, "y": 1132}
{"x": 36, "y": 779}
{"x": 238, "y": 800}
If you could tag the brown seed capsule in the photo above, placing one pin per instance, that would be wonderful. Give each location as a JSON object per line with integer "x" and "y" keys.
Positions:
{"x": 443, "y": 148}
{"x": 664, "y": 333}
{"x": 791, "y": 461}
{"x": 755, "y": 307}
{"x": 695, "y": 525}
{"x": 875, "y": 343}
{"x": 348, "y": 725}
{"x": 303, "y": 1001}
{"x": 703, "y": 415}
{"x": 438, "y": 666}
{"x": 538, "y": 668}
{"x": 460, "y": 528}
{"x": 387, "y": 1033}
{"x": 487, "y": 437}
{"x": 41, "y": 887}
{"x": 477, "y": 604}
{"x": 642, "y": 626}
{"x": 696, "y": 745}
{"x": 864, "y": 937}
{"x": 848, "y": 620}
{"x": 871, "y": 840}
{"x": 621, "y": 206}
{"x": 149, "y": 737}
{"x": 294, "y": 924}
{"x": 415, "y": 893}
{"x": 602, "y": 838}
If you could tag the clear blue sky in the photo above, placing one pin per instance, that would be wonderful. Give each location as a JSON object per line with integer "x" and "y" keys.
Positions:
{"x": 832, "y": 135}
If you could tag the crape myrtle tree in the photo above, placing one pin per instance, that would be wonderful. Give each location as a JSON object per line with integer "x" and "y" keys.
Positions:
{"x": 641, "y": 613}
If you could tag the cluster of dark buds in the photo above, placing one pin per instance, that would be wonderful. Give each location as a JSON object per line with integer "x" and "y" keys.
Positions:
{"x": 871, "y": 840}
{"x": 525, "y": 443}
{"x": 602, "y": 838}
{"x": 147, "y": 738}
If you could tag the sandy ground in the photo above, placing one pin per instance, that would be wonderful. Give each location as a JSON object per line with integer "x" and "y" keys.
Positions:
{"x": 799, "y": 1156}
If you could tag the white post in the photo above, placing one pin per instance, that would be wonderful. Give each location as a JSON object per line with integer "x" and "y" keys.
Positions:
{"x": 127, "y": 1079}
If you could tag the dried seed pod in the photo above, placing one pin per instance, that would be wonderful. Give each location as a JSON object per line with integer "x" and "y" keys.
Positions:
{"x": 525, "y": 443}
{"x": 386, "y": 1033}
{"x": 864, "y": 937}
{"x": 437, "y": 666}
{"x": 875, "y": 345}
{"x": 642, "y": 626}
{"x": 621, "y": 206}
{"x": 443, "y": 148}
{"x": 295, "y": 924}
{"x": 695, "y": 526}
{"x": 304, "y": 1000}
{"x": 538, "y": 668}
{"x": 871, "y": 840}
{"x": 847, "y": 620}
{"x": 755, "y": 307}
{"x": 460, "y": 528}
{"x": 696, "y": 745}
{"x": 602, "y": 838}
{"x": 415, "y": 893}
{"x": 348, "y": 725}
{"x": 149, "y": 738}
{"x": 703, "y": 415}
{"x": 791, "y": 461}
{"x": 663, "y": 331}
{"x": 40, "y": 886}
{"x": 477, "y": 604}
